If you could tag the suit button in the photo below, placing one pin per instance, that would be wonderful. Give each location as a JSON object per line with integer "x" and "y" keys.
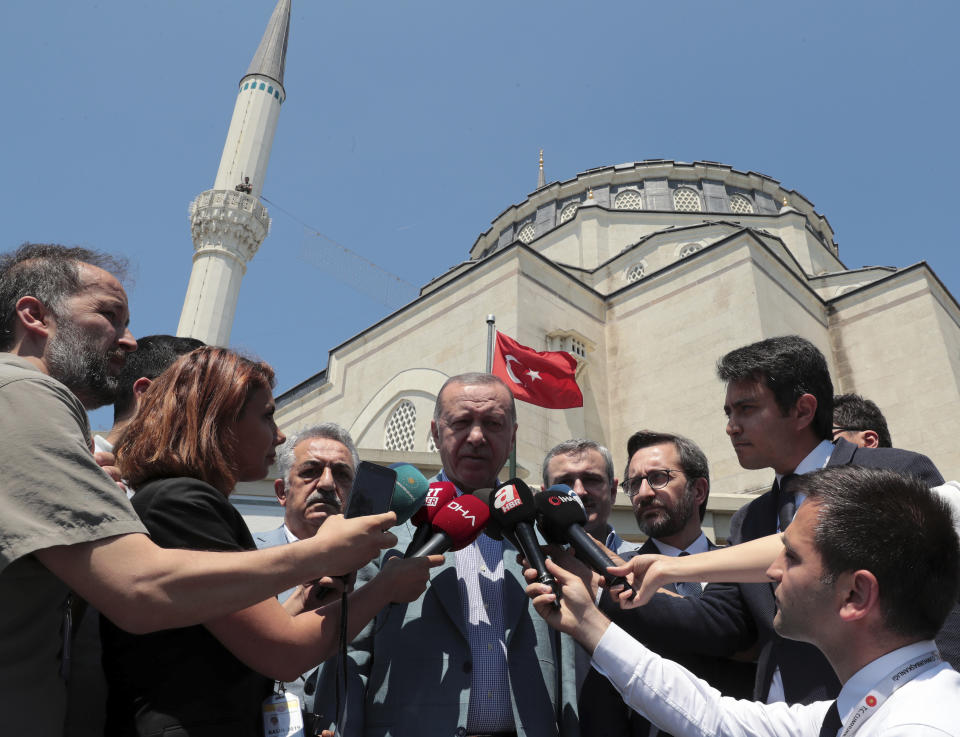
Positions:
{"x": 467, "y": 667}
{"x": 461, "y": 731}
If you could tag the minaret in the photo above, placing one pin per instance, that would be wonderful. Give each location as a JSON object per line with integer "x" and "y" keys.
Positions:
{"x": 228, "y": 223}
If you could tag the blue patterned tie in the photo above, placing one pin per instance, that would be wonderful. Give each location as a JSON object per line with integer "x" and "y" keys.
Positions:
{"x": 689, "y": 588}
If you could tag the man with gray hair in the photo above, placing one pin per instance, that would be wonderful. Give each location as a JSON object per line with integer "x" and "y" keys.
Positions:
{"x": 587, "y": 468}
{"x": 316, "y": 466}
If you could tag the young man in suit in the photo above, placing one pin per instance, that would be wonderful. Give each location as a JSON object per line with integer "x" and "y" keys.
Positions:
{"x": 839, "y": 586}
{"x": 779, "y": 407}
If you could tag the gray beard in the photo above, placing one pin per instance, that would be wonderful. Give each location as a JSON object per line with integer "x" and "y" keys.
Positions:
{"x": 85, "y": 372}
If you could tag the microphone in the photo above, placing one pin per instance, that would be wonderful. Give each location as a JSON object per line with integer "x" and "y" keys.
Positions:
{"x": 456, "y": 525}
{"x": 492, "y": 530}
{"x": 438, "y": 494}
{"x": 512, "y": 510}
{"x": 560, "y": 517}
{"x": 409, "y": 491}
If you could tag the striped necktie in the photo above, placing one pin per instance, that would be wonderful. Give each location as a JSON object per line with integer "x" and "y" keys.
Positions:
{"x": 688, "y": 588}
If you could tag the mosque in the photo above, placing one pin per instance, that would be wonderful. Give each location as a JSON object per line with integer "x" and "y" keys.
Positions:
{"x": 645, "y": 272}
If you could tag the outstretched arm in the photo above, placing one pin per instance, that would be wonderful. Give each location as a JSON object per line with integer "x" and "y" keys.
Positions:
{"x": 743, "y": 563}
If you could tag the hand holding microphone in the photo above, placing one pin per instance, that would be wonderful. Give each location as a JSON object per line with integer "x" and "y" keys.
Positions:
{"x": 561, "y": 516}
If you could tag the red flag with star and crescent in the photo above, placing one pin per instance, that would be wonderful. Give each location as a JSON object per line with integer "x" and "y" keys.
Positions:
{"x": 544, "y": 378}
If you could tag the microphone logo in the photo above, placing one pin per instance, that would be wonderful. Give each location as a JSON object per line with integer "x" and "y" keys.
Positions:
{"x": 464, "y": 512}
{"x": 556, "y": 501}
{"x": 432, "y": 497}
{"x": 507, "y": 498}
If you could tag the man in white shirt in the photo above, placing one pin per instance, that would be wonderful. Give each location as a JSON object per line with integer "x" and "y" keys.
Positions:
{"x": 840, "y": 585}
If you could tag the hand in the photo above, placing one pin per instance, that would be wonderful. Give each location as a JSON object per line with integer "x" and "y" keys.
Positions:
{"x": 315, "y": 594}
{"x": 646, "y": 573}
{"x": 108, "y": 462}
{"x": 344, "y": 545}
{"x": 577, "y": 615}
{"x": 406, "y": 579}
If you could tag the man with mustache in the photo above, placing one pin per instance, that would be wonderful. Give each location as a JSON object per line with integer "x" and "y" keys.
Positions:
{"x": 667, "y": 479}
{"x": 317, "y": 466}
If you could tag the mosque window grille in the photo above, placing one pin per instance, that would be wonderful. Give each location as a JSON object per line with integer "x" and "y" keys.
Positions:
{"x": 686, "y": 199}
{"x": 741, "y": 204}
{"x": 431, "y": 444}
{"x": 568, "y": 211}
{"x": 637, "y": 272}
{"x": 526, "y": 233}
{"x": 688, "y": 249}
{"x": 628, "y": 199}
{"x": 401, "y": 427}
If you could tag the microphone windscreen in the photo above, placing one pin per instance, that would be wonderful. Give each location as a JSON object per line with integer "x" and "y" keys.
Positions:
{"x": 492, "y": 529}
{"x": 462, "y": 520}
{"x": 512, "y": 503}
{"x": 556, "y": 512}
{"x": 409, "y": 491}
{"x": 438, "y": 494}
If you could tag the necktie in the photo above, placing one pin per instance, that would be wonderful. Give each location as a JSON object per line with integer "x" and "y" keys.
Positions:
{"x": 691, "y": 588}
{"x": 787, "y": 501}
{"x": 831, "y": 722}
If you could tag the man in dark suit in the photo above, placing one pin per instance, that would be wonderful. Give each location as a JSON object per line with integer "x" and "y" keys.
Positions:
{"x": 779, "y": 407}
{"x": 668, "y": 482}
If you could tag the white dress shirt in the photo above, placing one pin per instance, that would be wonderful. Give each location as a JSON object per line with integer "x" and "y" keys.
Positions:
{"x": 680, "y": 703}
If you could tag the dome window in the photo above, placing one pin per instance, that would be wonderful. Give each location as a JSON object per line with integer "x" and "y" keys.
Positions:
{"x": 741, "y": 205}
{"x": 526, "y": 233}
{"x": 568, "y": 211}
{"x": 628, "y": 199}
{"x": 637, "y": 272}
{"x": 686, "y": 199}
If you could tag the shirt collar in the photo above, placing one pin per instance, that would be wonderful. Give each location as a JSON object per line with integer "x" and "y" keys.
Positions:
{"x": 699, "y": 545}
{"x": 869, "y": 675}
{"x": 291, "y": 538}
{"x": 815, "y": 460}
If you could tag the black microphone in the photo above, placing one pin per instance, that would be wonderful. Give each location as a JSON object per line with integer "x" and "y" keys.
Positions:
{"x": 512, "y": 511}
{"x": 560, "y": 517}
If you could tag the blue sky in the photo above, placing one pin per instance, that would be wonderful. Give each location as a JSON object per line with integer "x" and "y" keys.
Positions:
{"x": 409, "y": 126}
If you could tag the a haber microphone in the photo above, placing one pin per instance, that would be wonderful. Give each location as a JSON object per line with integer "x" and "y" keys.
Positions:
{"x": 409, "y": 491}
{"x": 439, "y": 493}
{"x": 513, "y": 511}
{"x": 456, "y": 525}
{"x": 561, "y": 517}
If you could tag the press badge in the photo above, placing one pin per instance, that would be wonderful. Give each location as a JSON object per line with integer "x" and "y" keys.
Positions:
{"x": 282, "y": 716}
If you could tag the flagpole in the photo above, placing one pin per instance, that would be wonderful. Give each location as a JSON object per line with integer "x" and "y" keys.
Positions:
{"x": 491, "y": 329}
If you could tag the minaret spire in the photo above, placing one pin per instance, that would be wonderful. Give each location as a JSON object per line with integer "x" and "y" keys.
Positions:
{"x": 540, "y": 181}
{"x": 228, "y": 223}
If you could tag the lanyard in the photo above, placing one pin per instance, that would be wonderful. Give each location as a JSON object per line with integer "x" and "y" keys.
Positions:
{"x": 876, "y": 696}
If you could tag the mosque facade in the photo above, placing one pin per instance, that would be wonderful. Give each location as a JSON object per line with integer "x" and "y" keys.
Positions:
{"x": 645, "y": 272}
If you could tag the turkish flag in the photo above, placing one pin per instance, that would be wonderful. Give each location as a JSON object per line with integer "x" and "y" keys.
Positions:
{"x": 544, "y": 378}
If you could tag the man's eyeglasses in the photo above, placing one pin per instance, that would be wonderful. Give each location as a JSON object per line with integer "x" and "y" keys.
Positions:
{"x": 657, "y": 479}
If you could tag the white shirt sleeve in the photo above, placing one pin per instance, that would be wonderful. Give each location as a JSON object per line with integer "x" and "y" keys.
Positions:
{"x": 950, "y": 493}
{"x": 680, "y": 703}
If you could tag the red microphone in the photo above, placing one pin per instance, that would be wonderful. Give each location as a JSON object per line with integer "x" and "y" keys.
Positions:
{"x": 456, "y": 525}
{"x": 439, "y": 493}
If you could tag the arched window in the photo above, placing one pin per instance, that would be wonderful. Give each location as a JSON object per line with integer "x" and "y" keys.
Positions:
{"x": 686, "y": 199}
{"x": 401, "y": 427}
{"x": 689, "y": 248}
{"x": 637, "y": 271}
{"x": 628, "y": 199}
{"x": 568, "y": 211}
{"x": 740, "y": 204}
{"x": 431, "y": 444}
{"x": 526, "y": 233}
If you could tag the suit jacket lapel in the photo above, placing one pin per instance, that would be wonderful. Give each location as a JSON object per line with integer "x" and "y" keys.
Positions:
{"x": 842, "y": 453}
{"x": 515, "y": 600}
{"x": 445, "y": 587}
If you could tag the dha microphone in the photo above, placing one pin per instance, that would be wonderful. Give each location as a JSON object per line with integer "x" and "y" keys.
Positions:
{"x": 512, "y": 510}
{"x": 409, "y": 491}
{"x": 456, "y": 525}
{"x": 560, "y": 517}
{"x": 438, "y": 494}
